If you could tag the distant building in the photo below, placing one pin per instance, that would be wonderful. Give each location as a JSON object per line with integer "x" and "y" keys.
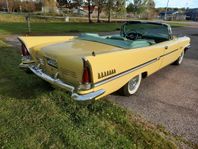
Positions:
{"x": 173, "y": 15}
{"x": 192, "y": 14}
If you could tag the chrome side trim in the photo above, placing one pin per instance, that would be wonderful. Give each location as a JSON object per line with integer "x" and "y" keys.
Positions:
{"x": 55, "y": 81}
{"x": 169, "y": 53}
{"x": 131, "y": 70}
{"x": 125, "y": 73}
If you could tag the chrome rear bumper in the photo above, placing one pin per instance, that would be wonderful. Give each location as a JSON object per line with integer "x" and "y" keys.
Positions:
{"x": 57, "y": 82}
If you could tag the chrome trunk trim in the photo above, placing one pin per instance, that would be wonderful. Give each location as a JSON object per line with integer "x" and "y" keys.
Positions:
{"x": 57, "y": 82}
{"x": 37, "y": 71}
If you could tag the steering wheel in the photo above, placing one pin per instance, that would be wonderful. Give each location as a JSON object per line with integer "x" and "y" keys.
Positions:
{"x": 134, "y": 35}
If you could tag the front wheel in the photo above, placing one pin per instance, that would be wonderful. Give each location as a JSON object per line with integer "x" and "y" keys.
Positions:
{"x": 180, "y": 59}
{"x": 132, "y": 86}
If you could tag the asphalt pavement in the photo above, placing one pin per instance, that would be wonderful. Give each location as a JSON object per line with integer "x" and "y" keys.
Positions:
{"x": 170, "y": 96}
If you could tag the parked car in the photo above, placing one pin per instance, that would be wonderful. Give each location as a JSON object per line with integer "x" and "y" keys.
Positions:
{"x": 91, "y": 66}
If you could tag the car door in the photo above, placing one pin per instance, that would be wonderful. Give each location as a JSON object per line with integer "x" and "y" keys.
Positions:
{"x": 171, "y": 52}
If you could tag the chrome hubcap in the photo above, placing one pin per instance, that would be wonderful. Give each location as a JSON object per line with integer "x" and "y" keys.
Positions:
{"x": 133, "y": 83}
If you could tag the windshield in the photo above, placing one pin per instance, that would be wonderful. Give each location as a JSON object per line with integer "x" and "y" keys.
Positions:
{"x": 146, "y": 29}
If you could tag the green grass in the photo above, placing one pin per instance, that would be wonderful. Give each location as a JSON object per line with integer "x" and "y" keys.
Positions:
{"x": 3, "y": 44}
{"x": 20, "y": 18}
{"x": 56, "y": 28}
{"x": 15, "y": 24}
{"x": 34, "y": 115}
{"x": 174, "y": 25}
{"x": 60, "y": 28}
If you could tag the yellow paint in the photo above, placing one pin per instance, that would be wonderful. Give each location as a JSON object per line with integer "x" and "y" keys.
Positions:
{"x": 69, "y": 56}
{"x": 127, "y": 59}
{"x": 32, "y": 41}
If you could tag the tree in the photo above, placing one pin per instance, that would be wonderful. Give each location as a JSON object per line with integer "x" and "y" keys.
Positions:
{"x": 140, "y": 6}
{"x": 120, "y": 7}
{"x": 27, "y": 6}
{"x": 137, "y": 6}
{"x": 150, "y": 4}
{"x": 49, "y": 5}
{"x": 2, "y": 5}
{"x": 7, "y": 5}
{"x": 91, "y": 6}
{"x": 100, "y": 4}
{"x": 68, "y": 3}
{"x": 114, "y": 5}
{"x": 150, "y": 11}
{"x": 10, "y": 5}
{"x": 109, "y": 8}
{"x": 89, "y": 10}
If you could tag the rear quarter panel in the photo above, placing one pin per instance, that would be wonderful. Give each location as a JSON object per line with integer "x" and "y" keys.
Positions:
{"x": 122, "y": 61}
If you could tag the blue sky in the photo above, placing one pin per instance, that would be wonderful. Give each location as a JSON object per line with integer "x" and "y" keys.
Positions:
{"x": 177, "y": 3}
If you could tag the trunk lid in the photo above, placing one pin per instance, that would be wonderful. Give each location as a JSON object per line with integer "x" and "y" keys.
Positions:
{"x": 66, "y": 58}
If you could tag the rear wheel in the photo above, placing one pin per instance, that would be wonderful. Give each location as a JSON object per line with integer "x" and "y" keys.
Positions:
{"x": 132, "y": 86}
{"x": 180, "y": 59}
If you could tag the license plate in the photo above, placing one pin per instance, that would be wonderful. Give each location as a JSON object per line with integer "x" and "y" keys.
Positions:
{"x": 52, "y": 62}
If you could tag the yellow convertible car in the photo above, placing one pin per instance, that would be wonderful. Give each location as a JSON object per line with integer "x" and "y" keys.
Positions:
{"x": 91, "y": 66}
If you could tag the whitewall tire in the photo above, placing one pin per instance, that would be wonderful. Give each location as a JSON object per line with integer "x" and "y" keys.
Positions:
{"x": 132, "y": 86}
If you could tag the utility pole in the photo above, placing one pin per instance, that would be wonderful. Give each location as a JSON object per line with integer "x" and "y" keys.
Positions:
{"x": 165, "y": 16}
{"x": 7, "y": 5}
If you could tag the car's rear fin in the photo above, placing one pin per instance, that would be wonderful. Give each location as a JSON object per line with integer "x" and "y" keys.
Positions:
{"x": 86, "y": 76}
{"x": 24, "y": 50}
{"x": 32, "y": 41}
